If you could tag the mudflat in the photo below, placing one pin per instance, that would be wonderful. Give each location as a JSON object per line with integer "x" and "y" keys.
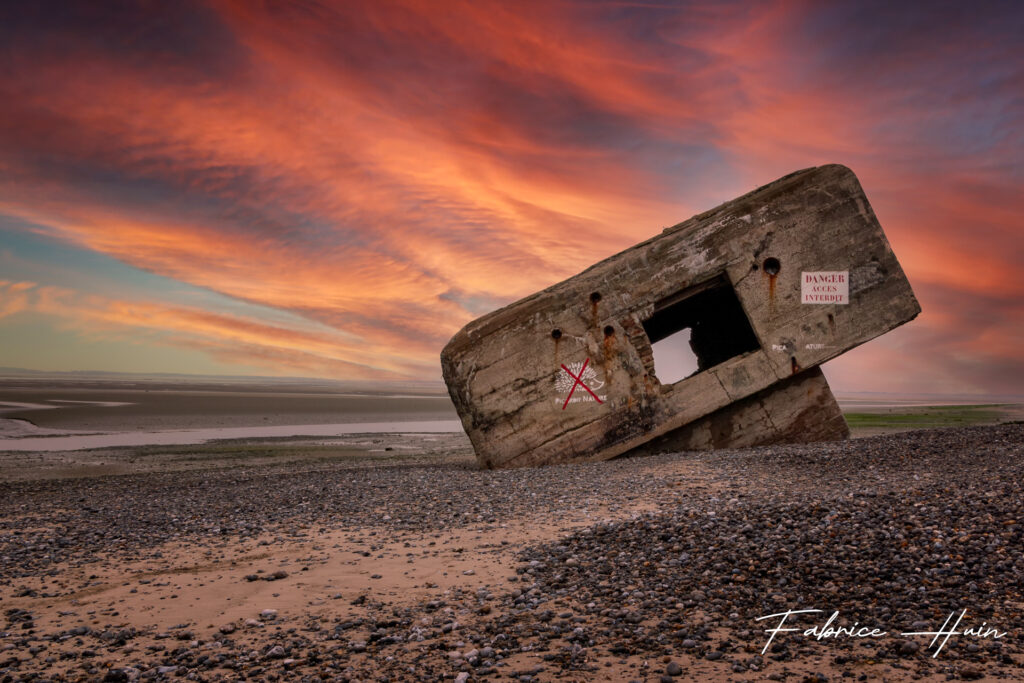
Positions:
{"x": 393, "y": 557}
{"x": 153, "y": 405}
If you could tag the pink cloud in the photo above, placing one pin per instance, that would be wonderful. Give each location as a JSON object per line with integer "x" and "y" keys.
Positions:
{"x": 391, "y": 171}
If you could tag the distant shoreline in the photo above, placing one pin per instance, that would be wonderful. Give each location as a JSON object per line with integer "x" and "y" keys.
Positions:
{"x": 187, "y": 437}
{"x": 78, "y": 415}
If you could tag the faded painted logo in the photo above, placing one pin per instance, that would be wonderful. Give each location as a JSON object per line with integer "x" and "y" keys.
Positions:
{"x": 579, "y": 383}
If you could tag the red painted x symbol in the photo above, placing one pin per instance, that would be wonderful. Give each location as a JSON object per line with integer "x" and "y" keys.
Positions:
{"x": 578, "y": 381}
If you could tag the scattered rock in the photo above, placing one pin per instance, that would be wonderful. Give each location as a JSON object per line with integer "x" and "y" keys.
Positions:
{"x": 845, "y": 525}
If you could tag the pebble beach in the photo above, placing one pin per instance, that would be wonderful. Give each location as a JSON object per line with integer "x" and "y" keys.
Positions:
{"x": 404, "y": 561}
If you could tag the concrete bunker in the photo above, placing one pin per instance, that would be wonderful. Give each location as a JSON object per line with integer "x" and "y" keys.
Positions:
{"x": 770, "y": 286}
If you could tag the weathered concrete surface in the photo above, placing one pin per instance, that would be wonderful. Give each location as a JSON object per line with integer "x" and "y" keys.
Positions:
{"x": 733, "y": 276}
{"x": 799, "y": 409}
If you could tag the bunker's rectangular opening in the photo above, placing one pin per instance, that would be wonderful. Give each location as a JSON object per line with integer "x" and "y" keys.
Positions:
{"x": 711, "y": 317}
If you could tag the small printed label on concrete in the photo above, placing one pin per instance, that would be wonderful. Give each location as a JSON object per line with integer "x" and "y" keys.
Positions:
{"x": 825, "y": 287}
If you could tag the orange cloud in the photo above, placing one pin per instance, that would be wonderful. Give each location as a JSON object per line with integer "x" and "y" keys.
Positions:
{"x": 389, "y": 171}
{"x": 280, "y": 350}
{"x": 14, "y": 297}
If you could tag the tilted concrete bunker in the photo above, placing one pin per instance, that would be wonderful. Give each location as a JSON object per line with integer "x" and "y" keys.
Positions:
{"x": 770, "y": 285}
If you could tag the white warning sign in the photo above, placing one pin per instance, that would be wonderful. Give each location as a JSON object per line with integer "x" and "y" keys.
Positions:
{"x": 825, "y": 287}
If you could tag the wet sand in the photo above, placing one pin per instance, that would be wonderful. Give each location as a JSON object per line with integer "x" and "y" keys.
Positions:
{"x": 39, "y": 441}
{"x": 130, "y": 406}
{"x": 36, "y": 418}
{"x": 362, "y": 450}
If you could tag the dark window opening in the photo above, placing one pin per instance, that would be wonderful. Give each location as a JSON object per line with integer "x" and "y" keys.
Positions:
{"x": 713, "y": 319}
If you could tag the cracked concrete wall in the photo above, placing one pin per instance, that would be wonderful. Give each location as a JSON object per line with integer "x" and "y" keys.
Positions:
{"x": 799, "y": 409}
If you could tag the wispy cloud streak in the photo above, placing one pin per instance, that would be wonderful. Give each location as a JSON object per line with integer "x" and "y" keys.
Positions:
{"x": 388, "y": 171}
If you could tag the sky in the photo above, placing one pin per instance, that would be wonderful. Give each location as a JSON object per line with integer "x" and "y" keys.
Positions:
{"x": 333, "y": 189}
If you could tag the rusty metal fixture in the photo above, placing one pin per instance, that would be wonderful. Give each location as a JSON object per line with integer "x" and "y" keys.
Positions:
{"x": 768, "y": 286}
